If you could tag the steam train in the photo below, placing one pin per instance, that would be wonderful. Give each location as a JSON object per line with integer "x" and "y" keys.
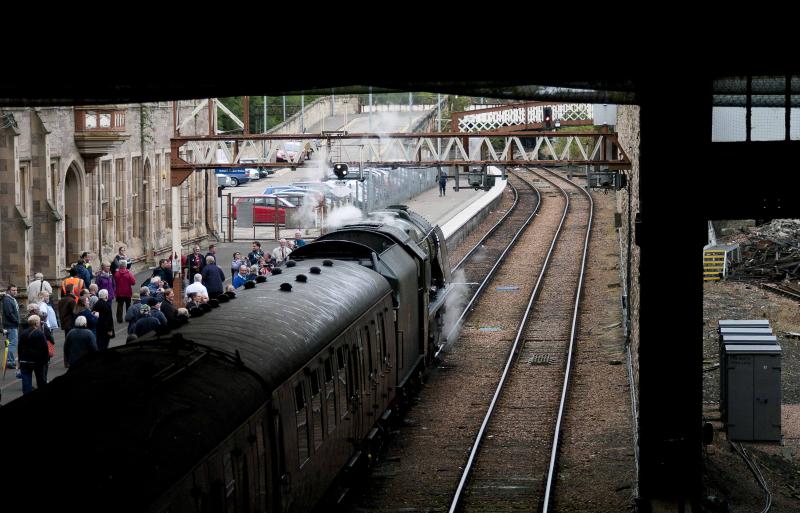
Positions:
{"x": 259, "y": 405}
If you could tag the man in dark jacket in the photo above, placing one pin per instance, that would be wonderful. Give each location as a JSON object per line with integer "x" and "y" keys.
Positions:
{"x": 105, "y": 322}
{"x": 65, "y": 307}
{"x": 164, "y": 271}
{"x": 117, "y": 259}
{"x": 10, "y": 311}
{"x": 195, "y": 262}
{"x": 168, "y": 307}
{"x": 257, "y": 253}
{"x": 155, "y": 309}
{"x": 134, "y": 312}
{"x": 80, "y": 342}
{"x": 192, "y": 302}
{"x": 213, "y": 277}
{"x": 83, "y": 269}
{"x": 146, "y": 322}
{"x": 33, "y": 355}
{"x": 212, "y": 252}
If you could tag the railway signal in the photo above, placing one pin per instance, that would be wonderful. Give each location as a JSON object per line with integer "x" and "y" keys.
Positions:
{"x": 548, "y": 117}
{"x": 340, "y": 170}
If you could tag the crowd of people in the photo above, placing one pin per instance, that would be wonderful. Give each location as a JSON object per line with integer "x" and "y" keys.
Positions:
{"x": 85, "y": 314}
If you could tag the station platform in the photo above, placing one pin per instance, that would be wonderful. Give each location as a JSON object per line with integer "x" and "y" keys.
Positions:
{"x": 455, "y": 213}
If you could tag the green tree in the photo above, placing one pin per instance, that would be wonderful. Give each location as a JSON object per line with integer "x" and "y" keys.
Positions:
{"x": 274, "y": 111}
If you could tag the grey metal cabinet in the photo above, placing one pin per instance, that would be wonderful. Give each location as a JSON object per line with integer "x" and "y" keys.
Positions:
{"x": 737, "y": 340}
{"x": 753, "y": 398}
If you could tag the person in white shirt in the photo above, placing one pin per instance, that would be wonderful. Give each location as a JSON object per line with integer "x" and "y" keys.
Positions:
{"x": 281, "y": 253}
{"x": 46, "y": 308}
{"x": 36, "y": 286}
{"x": 197, "y": 286}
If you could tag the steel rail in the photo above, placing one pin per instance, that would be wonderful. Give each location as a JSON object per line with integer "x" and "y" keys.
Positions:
{"x": 511, "y": 357}
{"x": 489, "y": 276}
{"x": 565, "y": 389}
{"x": 490, "y": 231}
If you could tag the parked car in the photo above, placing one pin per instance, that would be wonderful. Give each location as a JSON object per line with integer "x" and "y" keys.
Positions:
{"x": 294, "y": 151}
{"x": 272, "y": 189}
{"x": 264, "y": 208}
{"x": 224, "y": 181}
{"x": 238, "y": 175}
{"x": 302, "y": 195}
{"x": 286, "y": 191}
{"x": 325, "y": 188}
{"x": 263, "y": 172}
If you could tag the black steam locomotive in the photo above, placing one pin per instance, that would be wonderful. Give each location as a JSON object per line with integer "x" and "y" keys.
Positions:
{"x": 256, "y": 406}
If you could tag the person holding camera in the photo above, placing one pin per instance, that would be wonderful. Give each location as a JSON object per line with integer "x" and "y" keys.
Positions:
{"x": 10, "y": 310}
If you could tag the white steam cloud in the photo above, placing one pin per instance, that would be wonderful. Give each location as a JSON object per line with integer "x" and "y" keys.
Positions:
{"x": 341, "y": 216}
{"x": 321, "y": 170}
{"x": 457, "y": 298}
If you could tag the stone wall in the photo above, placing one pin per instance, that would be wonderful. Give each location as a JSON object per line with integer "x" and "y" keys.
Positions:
{"x": 628, "y": 206}
{"x": 45, "y": 222}
{"x": 314, "y": 112}
{"x": 13, "y": 222}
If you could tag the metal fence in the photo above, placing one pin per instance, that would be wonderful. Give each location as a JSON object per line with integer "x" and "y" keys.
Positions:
{"x": 383, "y": 187}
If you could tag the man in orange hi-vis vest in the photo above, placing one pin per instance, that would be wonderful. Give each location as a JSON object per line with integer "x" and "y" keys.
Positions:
{"x": 77, "y": 284}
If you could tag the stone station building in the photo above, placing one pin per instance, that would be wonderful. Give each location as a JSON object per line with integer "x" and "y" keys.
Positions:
{"x": 76, "y": 179}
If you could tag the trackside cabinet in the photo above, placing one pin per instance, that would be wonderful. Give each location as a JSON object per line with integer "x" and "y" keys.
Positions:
{"x": 738, "y": 340}
{"x": 754, "y": 392}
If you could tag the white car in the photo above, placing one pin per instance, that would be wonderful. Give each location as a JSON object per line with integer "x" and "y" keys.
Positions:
{"x": 262, "y": 172}
{"x": 224, "y": 181}
{"x": 294, "y": 151}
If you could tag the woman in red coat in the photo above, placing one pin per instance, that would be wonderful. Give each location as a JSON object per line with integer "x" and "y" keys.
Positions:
{"x": 124, "y": 280}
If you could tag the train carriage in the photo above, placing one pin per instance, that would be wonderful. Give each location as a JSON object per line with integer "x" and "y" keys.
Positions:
{"x": 255, "y": 406}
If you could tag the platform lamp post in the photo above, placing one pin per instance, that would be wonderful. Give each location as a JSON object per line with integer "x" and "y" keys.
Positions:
{"x": 177, "y": 281}
{"x": 175, "y": 255}
{"x": 439, "y": 125}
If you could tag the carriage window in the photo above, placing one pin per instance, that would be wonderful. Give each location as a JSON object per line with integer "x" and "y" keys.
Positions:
{"x": 382, "y": 339}
{"x": 230, "y": 482}
{"x": 262, "y": 471}
{"x": 379, "y": 350}
{"x": 316, "y": 409}
{"x": 330, "y": 396}
{"x": 302, "y": 423}
{"x": 369, "y": 348}
{"x": 342, "y": 370}
{"x": 355, "y": 364}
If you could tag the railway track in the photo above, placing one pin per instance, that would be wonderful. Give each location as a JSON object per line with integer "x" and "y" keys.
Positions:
{"x": 513, "y": 460}
{"x": 423, "y": 466}
{"x": 473, "y": 273}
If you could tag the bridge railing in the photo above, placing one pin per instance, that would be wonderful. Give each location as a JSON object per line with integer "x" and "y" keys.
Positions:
{"x": 409, "y": 150}
{"x": 522, "y": 114}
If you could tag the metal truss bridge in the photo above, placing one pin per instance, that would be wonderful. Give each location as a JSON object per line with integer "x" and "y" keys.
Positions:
{"x": 523, "y": 116}
{"x": 498, "y": 148}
